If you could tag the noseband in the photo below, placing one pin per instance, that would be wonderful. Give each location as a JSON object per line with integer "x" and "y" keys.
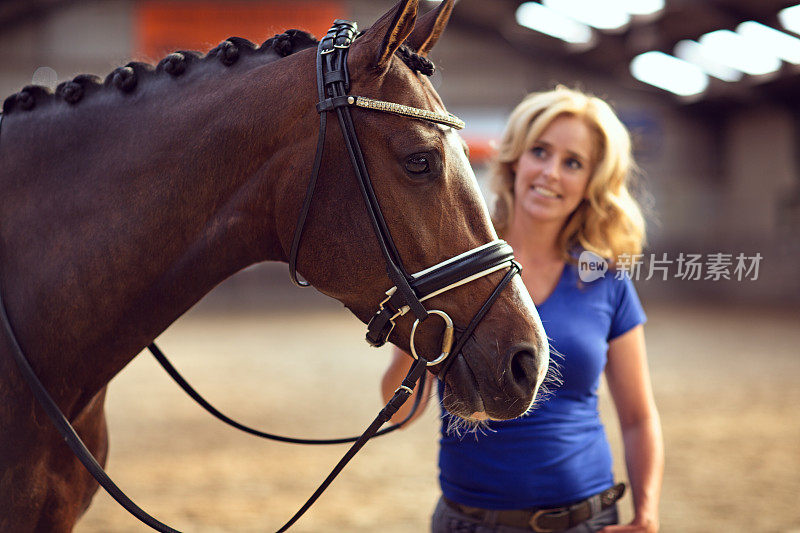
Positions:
{"x": 406, "y": 296}
{"x": 409, "y": 290}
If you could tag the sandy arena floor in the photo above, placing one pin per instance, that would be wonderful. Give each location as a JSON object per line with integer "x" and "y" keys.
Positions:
{"x": 726, "y": 382}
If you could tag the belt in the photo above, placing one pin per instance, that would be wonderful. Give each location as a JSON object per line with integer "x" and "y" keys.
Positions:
{"x": 547, "y": 519}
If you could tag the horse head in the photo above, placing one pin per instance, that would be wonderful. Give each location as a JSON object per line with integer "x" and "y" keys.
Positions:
{"x": 433, "y": 210}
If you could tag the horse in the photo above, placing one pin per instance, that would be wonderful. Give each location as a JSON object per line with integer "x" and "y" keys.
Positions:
{"x": 125, "y": 201}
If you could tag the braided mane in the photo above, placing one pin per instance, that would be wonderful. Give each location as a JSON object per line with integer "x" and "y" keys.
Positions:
{"x": 228, "y": 52}
{"x": 128, "y": 77}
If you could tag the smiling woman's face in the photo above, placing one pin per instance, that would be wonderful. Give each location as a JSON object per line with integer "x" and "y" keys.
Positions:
{"x": 551, "y": 177}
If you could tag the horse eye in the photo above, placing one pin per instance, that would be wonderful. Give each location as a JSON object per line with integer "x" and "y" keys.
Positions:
{"x": 418, "y": 164}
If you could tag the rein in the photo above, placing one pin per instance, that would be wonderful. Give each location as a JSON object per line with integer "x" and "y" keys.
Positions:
{"x": 197, "y": 397}
{"x": 407, "y": 295}
{"x": 83, "y": 454}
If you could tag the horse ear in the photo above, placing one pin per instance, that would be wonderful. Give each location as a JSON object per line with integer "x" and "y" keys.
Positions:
{"x": 385, "y": 36}
{"x": 429, "y": 28}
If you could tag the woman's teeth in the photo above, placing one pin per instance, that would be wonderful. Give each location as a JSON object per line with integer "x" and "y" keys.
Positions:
{"x": 545, "y": 192}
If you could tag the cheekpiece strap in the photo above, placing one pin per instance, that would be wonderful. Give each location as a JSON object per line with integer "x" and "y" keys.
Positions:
{"x": 332, "y": 86}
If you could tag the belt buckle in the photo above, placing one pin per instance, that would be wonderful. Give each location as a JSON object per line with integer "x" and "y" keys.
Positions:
{"x": 546, "y": 512}
{"x": 610, "y": 496}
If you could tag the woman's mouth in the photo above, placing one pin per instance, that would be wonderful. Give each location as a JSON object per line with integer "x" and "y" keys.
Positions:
{"x": 545, "y": 192}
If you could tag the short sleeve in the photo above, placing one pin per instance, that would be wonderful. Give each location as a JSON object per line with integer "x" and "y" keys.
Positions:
{"x": 628, "y": 312}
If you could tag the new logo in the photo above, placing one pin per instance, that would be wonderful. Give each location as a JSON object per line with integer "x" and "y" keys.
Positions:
{"x": 591, "y": 266}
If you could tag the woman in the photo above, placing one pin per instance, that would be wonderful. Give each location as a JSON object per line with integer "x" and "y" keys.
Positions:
{"x": 561, "y": 179}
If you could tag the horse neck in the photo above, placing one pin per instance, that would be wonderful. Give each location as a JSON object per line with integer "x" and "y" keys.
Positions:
{"x": 134, "y": 225}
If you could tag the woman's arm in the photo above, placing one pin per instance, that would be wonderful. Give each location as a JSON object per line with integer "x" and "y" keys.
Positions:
{"x": 398, "y": 368}
{"x": 629, "y": 382}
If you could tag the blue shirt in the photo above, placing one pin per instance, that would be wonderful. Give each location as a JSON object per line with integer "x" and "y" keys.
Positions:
{"x": 556, "y": 453}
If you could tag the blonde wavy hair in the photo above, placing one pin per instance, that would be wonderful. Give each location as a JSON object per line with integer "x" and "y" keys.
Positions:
{"x": 609, "y": 222}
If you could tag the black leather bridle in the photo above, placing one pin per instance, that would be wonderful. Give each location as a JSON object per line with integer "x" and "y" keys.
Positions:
{"x": 409, "y": 291}
{"x": 407, "y": 295}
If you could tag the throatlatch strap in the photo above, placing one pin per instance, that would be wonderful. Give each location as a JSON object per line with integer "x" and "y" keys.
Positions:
{"x": 312, "y": 184}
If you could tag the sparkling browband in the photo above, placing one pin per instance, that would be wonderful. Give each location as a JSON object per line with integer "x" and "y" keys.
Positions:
{"x": 448, "y": 119}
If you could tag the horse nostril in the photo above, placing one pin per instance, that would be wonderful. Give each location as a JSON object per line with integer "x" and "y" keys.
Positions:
{"x": 523, "y": 367}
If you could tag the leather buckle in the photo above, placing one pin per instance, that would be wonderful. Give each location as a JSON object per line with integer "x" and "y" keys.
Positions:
{"x": 533, "y": 522}
{"x": 382, "y": 324}
{"x": 379, "y": 327}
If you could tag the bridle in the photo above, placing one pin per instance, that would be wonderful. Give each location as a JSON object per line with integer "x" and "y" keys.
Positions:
{"x": 406, "y": 296}
{"x": 409, "y": 291}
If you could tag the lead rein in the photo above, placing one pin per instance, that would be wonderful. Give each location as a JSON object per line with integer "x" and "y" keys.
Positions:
{"x": 205, "y": 404}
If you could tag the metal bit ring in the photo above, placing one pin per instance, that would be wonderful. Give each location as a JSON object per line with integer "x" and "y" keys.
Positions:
{"x": 447, "y": 337}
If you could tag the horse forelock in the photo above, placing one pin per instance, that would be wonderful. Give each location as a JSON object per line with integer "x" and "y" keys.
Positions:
{"x": 415, "y": 62}
{"x": 127, "y": 78}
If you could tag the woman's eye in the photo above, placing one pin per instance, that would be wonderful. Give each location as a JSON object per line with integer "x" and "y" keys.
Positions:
{"x": 538, "y": 151}
{"x": 574, "y": 164}
{"x": 418, "y": 164}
